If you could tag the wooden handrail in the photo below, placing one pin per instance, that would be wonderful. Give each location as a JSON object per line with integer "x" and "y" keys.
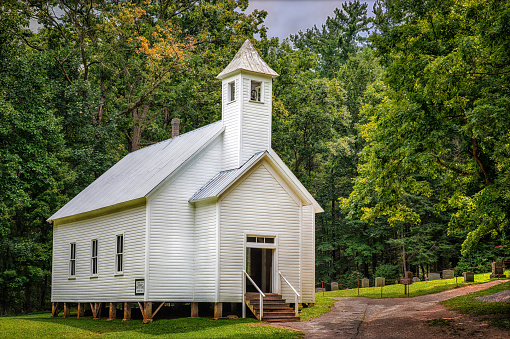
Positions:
{"x": 261, "y": 295}
{"x": 296, "y": 294}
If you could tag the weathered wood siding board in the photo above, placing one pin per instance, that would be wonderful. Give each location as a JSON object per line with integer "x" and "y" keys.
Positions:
{"x": 256, "y": 119}
{"x": 107, "y": 286}
{"x": 232, "y": 122}
{"x": 258, "y": 205}
{"x": 308, "y": 254}
{"x": 205, "y": 282}
{"x": 172, "y": 238}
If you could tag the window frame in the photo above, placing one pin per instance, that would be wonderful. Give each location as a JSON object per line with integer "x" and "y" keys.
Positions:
{"x": 231, "y": 95}
{"x": 119, "y": 254}
{"x": 259, "y": 93}
{"x": 72, "y": 261}
{"x": 94, "y": 262}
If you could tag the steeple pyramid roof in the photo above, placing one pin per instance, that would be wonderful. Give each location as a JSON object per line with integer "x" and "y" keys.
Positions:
{"x": 247, "y": 59}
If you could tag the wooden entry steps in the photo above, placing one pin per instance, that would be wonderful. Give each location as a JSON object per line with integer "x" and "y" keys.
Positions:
{"x": 275, "y": 308}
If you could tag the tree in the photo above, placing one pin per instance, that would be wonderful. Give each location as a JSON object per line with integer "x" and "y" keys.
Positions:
{"x": 339, "y": 37}
{"x": 443, "y": 116}
{"x": 33, "y": 174}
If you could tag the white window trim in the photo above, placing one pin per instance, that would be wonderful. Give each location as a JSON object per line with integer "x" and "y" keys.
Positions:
{"x": 92, "y": 257}
{"x": 229, "y": 91}
{"x": 261, "y": 95}
{"x": 117, "y": 254}
{"x": 72, "y": 261}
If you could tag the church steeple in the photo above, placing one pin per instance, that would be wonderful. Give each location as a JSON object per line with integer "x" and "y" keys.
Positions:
{"x": 246, "y": 106}
{"x": 247, "y": 59}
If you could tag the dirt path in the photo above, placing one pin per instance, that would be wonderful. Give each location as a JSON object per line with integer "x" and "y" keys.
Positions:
{"x": 398, "y": 318}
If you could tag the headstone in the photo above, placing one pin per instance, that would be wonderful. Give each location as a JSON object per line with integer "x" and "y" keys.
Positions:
{"x": 365, "y": 282}
{"x": 379, "y": 282}
{"x": 498, "y": 271}
{"x": 409, "y": 275}
{"x": 416, "y": 279}
{"x": 468, "y": 276}
{"x": 434, "y": 276}
{"x": 320, "y": 289}
{"x": 448, "y": 274}
{"x": 334, "y": 286}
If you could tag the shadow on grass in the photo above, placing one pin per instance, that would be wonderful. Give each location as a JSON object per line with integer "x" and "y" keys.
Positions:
{"x": 498, "y": 312}
{"x": 171, "y": 328}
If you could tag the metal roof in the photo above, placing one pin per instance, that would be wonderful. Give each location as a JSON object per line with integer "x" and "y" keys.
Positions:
{"x": 247, "y": 59}
{"x": 224, "y": 179}
{"x": 138, "y": 173}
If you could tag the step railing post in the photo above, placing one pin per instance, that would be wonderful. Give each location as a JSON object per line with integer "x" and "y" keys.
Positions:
{"x": 261, "y": 306}
{"x": 296, "y": 308}
{"x": 296, "y": 294}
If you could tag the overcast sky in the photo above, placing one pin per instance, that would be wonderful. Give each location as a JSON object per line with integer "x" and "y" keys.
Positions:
{"x": 285, "y": 17}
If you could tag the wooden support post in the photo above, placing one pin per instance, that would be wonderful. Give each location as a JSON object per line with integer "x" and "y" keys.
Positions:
{"x": 194, "y": 310}
{"x": 113, "y": 311}
{"x": 96, "y": 310}
{"x": 218, "y": 310}
{"x": 67, "y": 310}
{"x": 81, "y": 310}
{"x": 147, "y": 312}
{"x": 54, "y": 309}
{"x": 157, "y": 309}
{"x": 127, "y": 311}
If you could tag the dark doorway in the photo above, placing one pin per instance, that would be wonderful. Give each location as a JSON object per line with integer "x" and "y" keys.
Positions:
{"x": 259, "y": 266}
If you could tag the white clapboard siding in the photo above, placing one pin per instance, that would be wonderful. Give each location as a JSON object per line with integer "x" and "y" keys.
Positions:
{"x": 172, "y": 233}
{"x": 205, "y": 279}
{"x": 256, "y": 119}
{"x": 258, "y": 205}
{"x": 107, "y": 286}
{"x": 308, "y": 254}
{"x": 232, "y": 121}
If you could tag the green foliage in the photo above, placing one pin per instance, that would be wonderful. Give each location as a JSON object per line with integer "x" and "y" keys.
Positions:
{"x": 337, "y": 39}
{"x": 387, "y": 271}
{"x": 442, "y": 117}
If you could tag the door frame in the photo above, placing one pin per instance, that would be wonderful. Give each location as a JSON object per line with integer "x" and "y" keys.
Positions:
{"x": 275, "y": 282}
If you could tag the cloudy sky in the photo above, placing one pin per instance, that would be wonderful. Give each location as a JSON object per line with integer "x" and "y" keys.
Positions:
{"x": 290, "y": 16}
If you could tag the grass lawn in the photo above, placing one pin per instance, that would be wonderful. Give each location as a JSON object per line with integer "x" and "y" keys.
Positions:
{"x": 40, "y": 325}
{"x": 468, "y": 304}
{"x": 416, "y": 289}
{"x": 322, "y": 305}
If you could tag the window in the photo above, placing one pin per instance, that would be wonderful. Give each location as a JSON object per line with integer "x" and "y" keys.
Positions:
{"x": 231, "y": 91}
{"x": 119, "y": 256}
{"x": 255, "y": 94}
{"x": 72, "y": 260}
{"x": 93, "y": 257}
{"x": 260, "y": 240}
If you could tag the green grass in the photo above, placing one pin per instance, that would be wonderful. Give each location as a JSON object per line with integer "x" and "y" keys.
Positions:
{"x": 40, "y": 325}
{"x": 468, "y": 304}
{"x": 416, "y": 289}
{"x": 322, "y": 305}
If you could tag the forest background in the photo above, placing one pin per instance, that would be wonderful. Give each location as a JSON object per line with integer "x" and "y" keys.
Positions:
{"x": 398, "y": 123}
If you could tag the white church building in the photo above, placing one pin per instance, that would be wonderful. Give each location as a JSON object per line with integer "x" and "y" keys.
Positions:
{"x": 209, "y": 216}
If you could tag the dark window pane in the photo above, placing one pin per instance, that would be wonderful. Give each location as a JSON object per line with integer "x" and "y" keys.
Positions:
{"x": 251, "y": 239}
{"x": 269, "y": 240}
